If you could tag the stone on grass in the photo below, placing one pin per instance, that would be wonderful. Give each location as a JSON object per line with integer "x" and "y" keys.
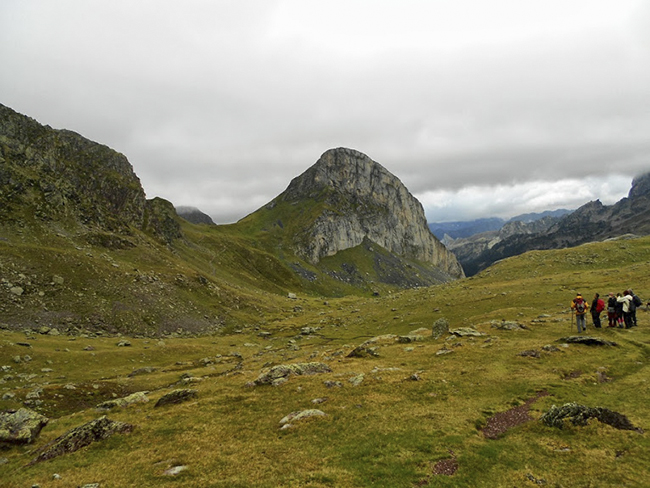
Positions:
{"x": 466, "y": 332}
{"x": 21, "y": 426}
{"x": 138, "y": 397}
{"x": 75, "y": 439}
{"x": 579, "y": 415}
{"x": 356, "y": 380}
{"x": 363, "y": 352}
{"x": 177, "y": 396}
{"x": 144, "y": 370}
{"x": 281, "y": 371}
{"x": 295, "y": 416}
{"x": 440, "y": 328}
{"x": 587, "y": 341}
{"x": 508, "y": 325}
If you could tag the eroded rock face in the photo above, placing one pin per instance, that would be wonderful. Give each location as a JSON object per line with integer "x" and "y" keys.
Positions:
{"x": 21, "y": 426}
{"x": 365, "y": 201}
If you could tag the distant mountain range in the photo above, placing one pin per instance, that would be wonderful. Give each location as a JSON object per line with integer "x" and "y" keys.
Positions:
{"x": 468, "y": 228}
{"x": 591, "y": 222}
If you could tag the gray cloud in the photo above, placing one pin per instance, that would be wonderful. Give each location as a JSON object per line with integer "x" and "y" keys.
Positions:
{"x": 219, "y": 104}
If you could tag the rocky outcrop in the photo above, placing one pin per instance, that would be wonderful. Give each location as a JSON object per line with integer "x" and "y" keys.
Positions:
{"x": 363, "y": 201}
{"x": 59, "y": 175}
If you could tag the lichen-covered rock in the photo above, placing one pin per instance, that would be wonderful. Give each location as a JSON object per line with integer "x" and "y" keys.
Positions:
{"x": 75, "y": 439}
{"x": 466, "y": 332}
{"x": 304, "y": 414}
{"x": 440, "y": 328}
{"x": 363, "y": 351}
{"x": 579, "y": 415}
{"x": 138, "y": 397}
{"x": 21, "y": 426}
{"x": 177, "y": 396}
{"x": 285, "y": 370}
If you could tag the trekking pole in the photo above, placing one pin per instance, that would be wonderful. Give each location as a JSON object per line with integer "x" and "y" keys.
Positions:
{"x": 571, "y": 329}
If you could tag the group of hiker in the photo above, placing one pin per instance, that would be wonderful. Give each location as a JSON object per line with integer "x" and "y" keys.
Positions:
{"x": 621, "y": 310}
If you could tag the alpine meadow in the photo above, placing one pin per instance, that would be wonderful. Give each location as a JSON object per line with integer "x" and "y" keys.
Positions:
{"x": 327, "y": 339}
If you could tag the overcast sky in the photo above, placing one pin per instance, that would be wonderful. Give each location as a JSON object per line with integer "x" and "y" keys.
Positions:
{"x": 481, "y": 108}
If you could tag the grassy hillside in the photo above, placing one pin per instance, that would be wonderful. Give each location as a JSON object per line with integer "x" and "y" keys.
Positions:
{"x": 394, "y": 419}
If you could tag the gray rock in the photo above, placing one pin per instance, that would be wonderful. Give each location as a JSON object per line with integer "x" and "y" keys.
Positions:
{"x": 363, "y": 351}
{"x": 440, "y": 328}
{"x": 508, "y": 325}
{"x": 287, "y": 370}
{"x": 16, "y": 290}
{"x": 138, "y": 397}
{"x": 75, "y": 439}
{"x": 466, "y": 332}
{"x": 21, "y": 426}
{"x": 357, "y": 379}
{"x": 140, "y": 371}
{"x": 304, "y": 414}
{"x": 177, "y": 396}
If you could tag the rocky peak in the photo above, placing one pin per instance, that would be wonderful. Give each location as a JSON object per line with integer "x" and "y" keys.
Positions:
{"x": 640, "y": 186}
{"x": 363, "y": 200}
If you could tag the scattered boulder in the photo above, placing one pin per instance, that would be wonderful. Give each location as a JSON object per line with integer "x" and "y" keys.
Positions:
{"x": 579, "y": 415}
{"x": 407, "y": 339}
{"x": 177, "y": 396}
{"x": 295, "y": 416}
{"x": 138, "y": 397}
{"x": 124, "y": 344}
{"x": 587, "y": 341}
{"x": 363, "y": 351}
{"x": 20, "y": 426}
{"x": 440, "y": 328}
{"x": 508, "y": 325}
{"x": 145, "y": 370}
{"x": 531, "y": 353}
{"x": 333, "y": 384}
{"x": 75, "y": 439}
{"x": 286, "y": 370}
{"x": 466, "y": 332}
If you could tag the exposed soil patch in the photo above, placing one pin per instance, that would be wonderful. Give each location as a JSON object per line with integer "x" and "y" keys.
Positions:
{"x": 447, "y": 467}
{"x": 504, "y": 421}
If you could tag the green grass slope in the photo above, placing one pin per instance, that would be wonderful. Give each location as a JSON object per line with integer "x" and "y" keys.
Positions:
{"x": 394, "y": 419}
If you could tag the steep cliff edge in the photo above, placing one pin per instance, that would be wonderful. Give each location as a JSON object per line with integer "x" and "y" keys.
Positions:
{"x": 358, "y": 199}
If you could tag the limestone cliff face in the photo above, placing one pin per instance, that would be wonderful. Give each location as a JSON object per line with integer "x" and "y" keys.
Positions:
{"x": 362, "y": 200}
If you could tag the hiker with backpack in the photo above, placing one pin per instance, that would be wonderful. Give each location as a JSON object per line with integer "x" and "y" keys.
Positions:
{"x": 597, "y": 307}
{"x": 626, "y": 302}
{"x": 580, "y": 306}
{"x": 611, "y": 309}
